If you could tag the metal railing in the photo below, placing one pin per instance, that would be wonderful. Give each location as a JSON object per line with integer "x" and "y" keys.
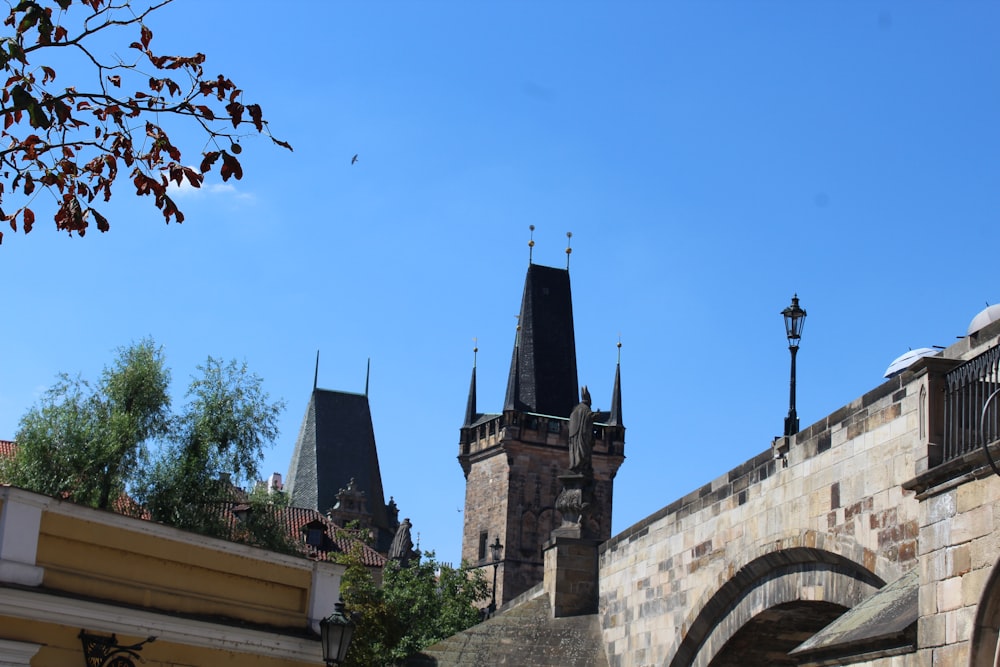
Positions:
{"x": 971, "y": 408}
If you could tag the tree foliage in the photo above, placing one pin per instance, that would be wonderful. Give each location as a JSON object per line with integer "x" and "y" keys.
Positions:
{"x": 70, "y": 138}
{"x": 85, "y": 442}
{"x": 416, "y": 606}
{"x": 216, "y": 445}
{"x": 91, "y": 445}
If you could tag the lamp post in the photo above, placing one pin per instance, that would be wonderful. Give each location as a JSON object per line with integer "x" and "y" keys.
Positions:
{"x": 795, "y": 320}
{"x": 336, "y": 632}
{"x": 496, "y": 550}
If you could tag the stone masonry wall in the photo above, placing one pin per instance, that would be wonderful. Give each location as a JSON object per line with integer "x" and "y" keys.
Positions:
{"x": 959, "y": 548}
{"x": 835, "y": 489}
{"x": 485, "y": 511}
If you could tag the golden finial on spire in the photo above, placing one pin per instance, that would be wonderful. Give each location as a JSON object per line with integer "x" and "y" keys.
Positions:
{"x": 531, "y": 242}
{"x": 569, "y": 251}
{"x": 619, "y": 347}
{"x": 475, "y": 351}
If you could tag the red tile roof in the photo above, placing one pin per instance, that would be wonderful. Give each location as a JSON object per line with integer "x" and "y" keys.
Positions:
{"x": 7, "y": 447}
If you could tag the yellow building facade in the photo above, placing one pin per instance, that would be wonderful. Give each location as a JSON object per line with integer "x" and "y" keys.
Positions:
{"x": 66, "y": 569}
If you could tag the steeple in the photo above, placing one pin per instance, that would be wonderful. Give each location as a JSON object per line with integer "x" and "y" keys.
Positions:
{"x": 543, "y": 376}
{"x": 514, "y": 377}
{"x": 616, "y": 395}
{"x": 470, "y": 407}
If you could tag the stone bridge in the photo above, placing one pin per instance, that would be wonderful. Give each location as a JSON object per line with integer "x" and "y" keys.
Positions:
{"x": 870, "y": 538}
{"x": 749, "y": 566}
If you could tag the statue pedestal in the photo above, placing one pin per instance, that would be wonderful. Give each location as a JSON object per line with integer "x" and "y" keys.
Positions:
{"x": 571, "y": 575}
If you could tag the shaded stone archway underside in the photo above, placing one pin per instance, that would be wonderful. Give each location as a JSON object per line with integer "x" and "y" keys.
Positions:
{"x": 771, "y": 635}
{"x": 805, "y": 578}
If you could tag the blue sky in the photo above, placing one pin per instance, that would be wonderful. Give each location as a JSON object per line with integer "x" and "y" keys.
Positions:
{"x": 710, "y": 158}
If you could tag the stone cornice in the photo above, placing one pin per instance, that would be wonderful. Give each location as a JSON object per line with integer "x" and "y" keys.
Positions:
{"x": 41, "y": 607}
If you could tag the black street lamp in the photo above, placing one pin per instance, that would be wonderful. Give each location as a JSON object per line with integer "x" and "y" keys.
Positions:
{"x": 496, "y": 550}
{"x": 336, "y": 632}
{"x": 795, "y": 320}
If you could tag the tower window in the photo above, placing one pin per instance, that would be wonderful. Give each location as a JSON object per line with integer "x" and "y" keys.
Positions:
{"x": 483, "y": 539}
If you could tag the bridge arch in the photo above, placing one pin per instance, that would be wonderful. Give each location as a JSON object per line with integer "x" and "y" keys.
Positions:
{"x": 800, "y": 589}
{"x": 985, "y": 645}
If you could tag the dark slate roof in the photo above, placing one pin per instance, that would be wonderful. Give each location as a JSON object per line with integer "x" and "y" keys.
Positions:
{"x": 336, "y": 443}
{"x": 483, "y": 418}
{"x": 543, "y": 376}
{"x": 885, "y": 620}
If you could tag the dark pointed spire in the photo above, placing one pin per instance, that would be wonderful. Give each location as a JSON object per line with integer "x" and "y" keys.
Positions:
{"x": 616, "y": 393}
{"x": 316, "y": 375}
{"x": 368, "y": 375}
{"x": 470, "y": 407}
{"x": 514, "y": 377}
{"x": 543, "y": 376}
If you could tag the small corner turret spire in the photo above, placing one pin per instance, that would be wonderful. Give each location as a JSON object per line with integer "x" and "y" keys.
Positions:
{"x": 514, "y": 378}
{"x": 616, "y": 394}
{"x": 569, "y": 250}
{"x": 316, "y": 374}
{"x": 368, "y": 375}
{"x": 531, "y": 242}
{"x": 470, "y": 407}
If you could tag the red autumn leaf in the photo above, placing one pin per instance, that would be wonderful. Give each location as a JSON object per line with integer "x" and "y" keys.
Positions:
{"x": 29, "y": 220}
{"x": 146, "y": 35}
{"x": 230, "y": 167}
{"x": 194, "y": 178}
{"x": 257, "y": 116}
{"x": 102, "y": 222}
{"x": 235, "y": 110}
{"x": 209, "y": 159}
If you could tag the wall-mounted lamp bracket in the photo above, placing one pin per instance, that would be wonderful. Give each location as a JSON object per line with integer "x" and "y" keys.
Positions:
{"x": 101, "y": 651}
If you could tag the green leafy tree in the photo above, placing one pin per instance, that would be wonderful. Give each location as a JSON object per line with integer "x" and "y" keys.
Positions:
{"x": 84, "y": 442}
{"x": 70, "y": 139}
{"x": 91, "y": 445}
{"x": 216, "y": 445}
{"x": 416, "y": 606}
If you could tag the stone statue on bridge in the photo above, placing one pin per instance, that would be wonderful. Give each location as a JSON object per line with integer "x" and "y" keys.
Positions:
{"x": 581, "y": 434}
{"x": 402, "y": 545}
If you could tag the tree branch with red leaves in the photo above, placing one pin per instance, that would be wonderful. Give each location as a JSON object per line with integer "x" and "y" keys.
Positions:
{"x": 69, "y": 141}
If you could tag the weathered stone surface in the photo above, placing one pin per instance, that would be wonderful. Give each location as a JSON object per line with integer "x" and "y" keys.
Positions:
{"x": 524, "y": 636}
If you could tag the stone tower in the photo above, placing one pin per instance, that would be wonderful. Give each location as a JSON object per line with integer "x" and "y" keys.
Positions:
{"x": 334, "y": 467}
{"x": 512, "y": 460}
